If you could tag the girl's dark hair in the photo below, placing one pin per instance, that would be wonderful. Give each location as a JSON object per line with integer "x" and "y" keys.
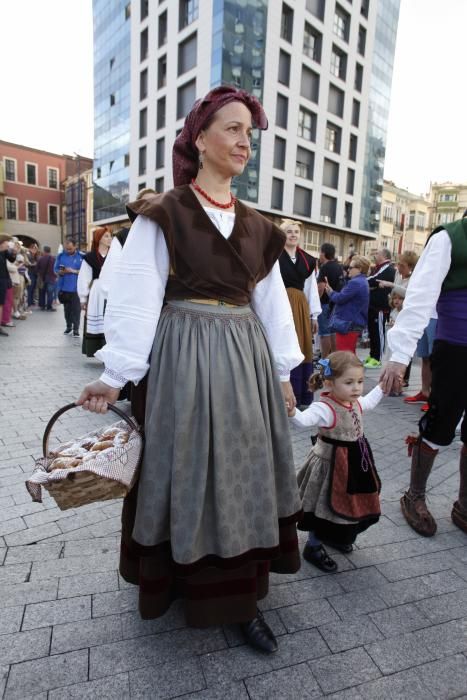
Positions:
{"x": 339, "y": 362}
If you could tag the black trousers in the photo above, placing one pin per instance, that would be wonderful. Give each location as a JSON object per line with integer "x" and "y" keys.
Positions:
{"x": 72, "y": 309}
{"x": 448, "y": 396}
{"x": 376, "y": 331}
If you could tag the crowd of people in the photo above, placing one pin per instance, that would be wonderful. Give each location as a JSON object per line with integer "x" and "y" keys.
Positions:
{"x": 211, "y": 313}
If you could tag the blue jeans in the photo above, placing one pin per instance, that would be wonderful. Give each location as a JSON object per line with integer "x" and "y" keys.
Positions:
{"x": 46, "y": 295}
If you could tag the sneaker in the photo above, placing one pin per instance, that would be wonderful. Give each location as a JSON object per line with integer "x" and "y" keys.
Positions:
{"x": 68, "y": 331}
{"x": 372, "y": 363}
{"x": 418, "y": 398}
{"x": 75, "y": 334}
{"x": 425, "y": 407}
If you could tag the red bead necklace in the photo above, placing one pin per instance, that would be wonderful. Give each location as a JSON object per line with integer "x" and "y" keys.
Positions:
{"x": 204, "y": 194}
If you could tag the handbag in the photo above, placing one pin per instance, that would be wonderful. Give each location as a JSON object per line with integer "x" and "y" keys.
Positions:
{"x": 97, "y": 475}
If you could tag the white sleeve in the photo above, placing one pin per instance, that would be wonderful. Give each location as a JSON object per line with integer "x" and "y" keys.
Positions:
{"x": 135, "y": 299}
{"x": 312, "y": 295}
{"x": 112, "y": 261}
{"x": 318, "y": 414}
{"x": 84, "y": 281}
{"x": 421, "y": 297}
{"x": 271, "y": 304}
{"x": 372, "y": 399}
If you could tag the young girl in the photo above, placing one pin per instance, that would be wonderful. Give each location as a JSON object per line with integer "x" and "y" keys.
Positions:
{"x": 338, "y": 483}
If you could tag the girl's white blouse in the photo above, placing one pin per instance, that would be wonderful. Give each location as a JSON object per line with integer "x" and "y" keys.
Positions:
{"x": 136, "y": 292}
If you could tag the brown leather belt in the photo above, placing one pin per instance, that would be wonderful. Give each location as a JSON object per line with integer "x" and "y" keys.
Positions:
{"x": 212, "y": 302}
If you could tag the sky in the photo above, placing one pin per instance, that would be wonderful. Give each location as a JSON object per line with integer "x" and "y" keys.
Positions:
{"x": 47, "y": 95}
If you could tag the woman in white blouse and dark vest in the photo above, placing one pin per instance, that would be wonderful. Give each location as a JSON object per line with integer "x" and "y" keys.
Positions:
{"x": 199, "y": 302}
{"x": 298, "y": 273}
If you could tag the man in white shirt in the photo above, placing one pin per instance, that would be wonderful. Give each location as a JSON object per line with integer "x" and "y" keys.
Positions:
{"x": 440, "y": 278}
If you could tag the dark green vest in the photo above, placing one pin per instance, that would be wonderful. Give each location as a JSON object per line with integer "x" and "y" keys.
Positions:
{"x": 457, "y": 275}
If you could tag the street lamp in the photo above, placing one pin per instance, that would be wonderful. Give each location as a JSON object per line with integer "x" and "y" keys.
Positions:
{"x": 78, "y": 159}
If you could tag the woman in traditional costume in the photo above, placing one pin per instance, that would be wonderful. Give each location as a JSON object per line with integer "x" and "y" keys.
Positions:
{"x": 298, "y": 273}
{"x": 200, "y": 303}
{"x": 90, "y": 293}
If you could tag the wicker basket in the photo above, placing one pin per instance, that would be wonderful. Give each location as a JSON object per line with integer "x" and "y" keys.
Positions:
{"x": 111, "y": 475}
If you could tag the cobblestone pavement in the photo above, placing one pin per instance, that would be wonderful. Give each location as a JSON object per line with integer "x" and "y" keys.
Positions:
{"x": 390, "y": 624}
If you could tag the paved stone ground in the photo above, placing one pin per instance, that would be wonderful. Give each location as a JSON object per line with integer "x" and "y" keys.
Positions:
{"x": 392, "y": 623}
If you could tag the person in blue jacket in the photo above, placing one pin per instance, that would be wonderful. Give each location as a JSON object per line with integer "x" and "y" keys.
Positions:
{"x": 350, "y": 313}
{"x": 67, "y": 266}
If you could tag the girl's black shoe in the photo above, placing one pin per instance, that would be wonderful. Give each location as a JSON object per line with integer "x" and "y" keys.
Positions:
{"x": 344, "y": 548}
{"x": 259, "y": 635}
{"x": 319, "y": 558}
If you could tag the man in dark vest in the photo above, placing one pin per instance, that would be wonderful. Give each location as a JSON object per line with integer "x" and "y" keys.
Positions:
{"x": 440, "y": 279}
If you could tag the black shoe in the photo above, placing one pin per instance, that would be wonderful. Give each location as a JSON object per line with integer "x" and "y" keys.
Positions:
{"x": 2, "y": 332}
{"x": 319, "y": 558}
{"x": 68, "y": 331}
{"x": 344, "y": 548}
{"x": 75, "y": 334}
{"x": 259, "y": 635}
{"x": 51, "y": 309}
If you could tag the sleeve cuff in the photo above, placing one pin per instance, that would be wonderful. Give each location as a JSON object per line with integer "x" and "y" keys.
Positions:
{"x": 401, "y": 358}
{"x": 285, "y": 377}
{"x": 113, "y": 379}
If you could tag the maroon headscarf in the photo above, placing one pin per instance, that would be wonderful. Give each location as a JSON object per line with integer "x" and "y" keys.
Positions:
{"x": 185, "y": 156}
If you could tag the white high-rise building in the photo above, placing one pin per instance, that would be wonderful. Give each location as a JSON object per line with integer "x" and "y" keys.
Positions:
{"x": 321, "y": 68}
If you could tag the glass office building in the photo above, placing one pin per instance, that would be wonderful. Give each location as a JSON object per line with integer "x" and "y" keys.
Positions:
{"x": 112, "y": 71}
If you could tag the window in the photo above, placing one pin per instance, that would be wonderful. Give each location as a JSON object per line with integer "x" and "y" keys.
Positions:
{"x": 53, "y": 214}
{"x": 162, "y": 29}
{"x": 31, "y": 175}
{"x": 361, "y": 40}
{"x": 420, "y": 221}
{"x": 365, "y": 7}
{"x": 330, "y": 173}
{"x": 162, "y": 71}
{"x": 316, "y": 7}
{"x": 332, "y": 139}
{"x": 304, "y": 163}
{"x": 143, "y": 84}
{"x": 126, "y": 160}
{"x": 353, "y": 147}
{"x": 11, "y": 208}
{"x": 338, "y": 63}
{"x": 355, "y": 112}
{"x": 328, "y": 209}
{"x": 143, "y": 123}
{"x": 10, "y": 169}
{"x": 287, "y": 23}
{"x": 160, "y": 117}
{"x": 98, "y": 173}
{"x": 284, "y": 68}
{"x": 358, "y": 77}
{"x": 349, "y": 188}
{"x": 112, "y": 99}
{"x": 142, "y": 161}
{"x": 336, "y": 101}
{"x": 160, "y": 153}
{"x": 279, "y": 153}
{"x": 306, "y": 124}
{"x": 186, "y": 95}
{"x": 188, "y": 12}
{"x": 277, "y": 193}
{"x": 282, "y": 109}
{"x": 309, "y": 86}
{"x": 447, "y": 198}
{"x": 52, "y": 177}
{"x": 187, "y": 54}
{"x": 341, "y": 25}
{"x": 387, "y": 212}
{"x": 159, "y": 184}
{"x": 302, "y": 201}
{"x": 31, "y": 211}
{"x": 128, "y": 11}
{"x": 111, "y": 63}
{"x": 144, "y": 9}
{"x": 143, "y": 45}
{"x": 312, "y": 42}
{"x": 348, "y": 214}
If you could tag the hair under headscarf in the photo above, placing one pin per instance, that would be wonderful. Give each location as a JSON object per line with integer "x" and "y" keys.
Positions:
{"x": 185, "y": 154}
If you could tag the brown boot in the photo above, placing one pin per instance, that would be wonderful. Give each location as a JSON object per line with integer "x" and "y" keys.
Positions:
{"x": 413, "y": 505}
{"x": 459, "y": 509}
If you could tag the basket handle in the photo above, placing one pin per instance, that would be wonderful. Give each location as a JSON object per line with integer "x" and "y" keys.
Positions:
{"x": 68, "y": 407}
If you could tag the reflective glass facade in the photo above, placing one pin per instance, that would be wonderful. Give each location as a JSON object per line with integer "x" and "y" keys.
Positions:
{"x": 378, "y": 112}
{"x": 111, "y": 107}
{"x": 239, "y": 36}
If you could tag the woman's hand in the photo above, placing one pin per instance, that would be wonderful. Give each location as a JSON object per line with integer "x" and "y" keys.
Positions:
{"x": 83, "y": 306}
{"x": 327, "y": 287}
{"x": 96, "y": 396}
{"x": 391, "y": 377}
{"x": 384, "y": 283}
{"x": 289, "y": 396}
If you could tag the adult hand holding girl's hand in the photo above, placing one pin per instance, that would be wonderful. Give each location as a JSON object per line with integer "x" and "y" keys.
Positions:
{"x": 96, "y": 395}
{"x": 391, "y": 377}
{"x": 289, "y": 396}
